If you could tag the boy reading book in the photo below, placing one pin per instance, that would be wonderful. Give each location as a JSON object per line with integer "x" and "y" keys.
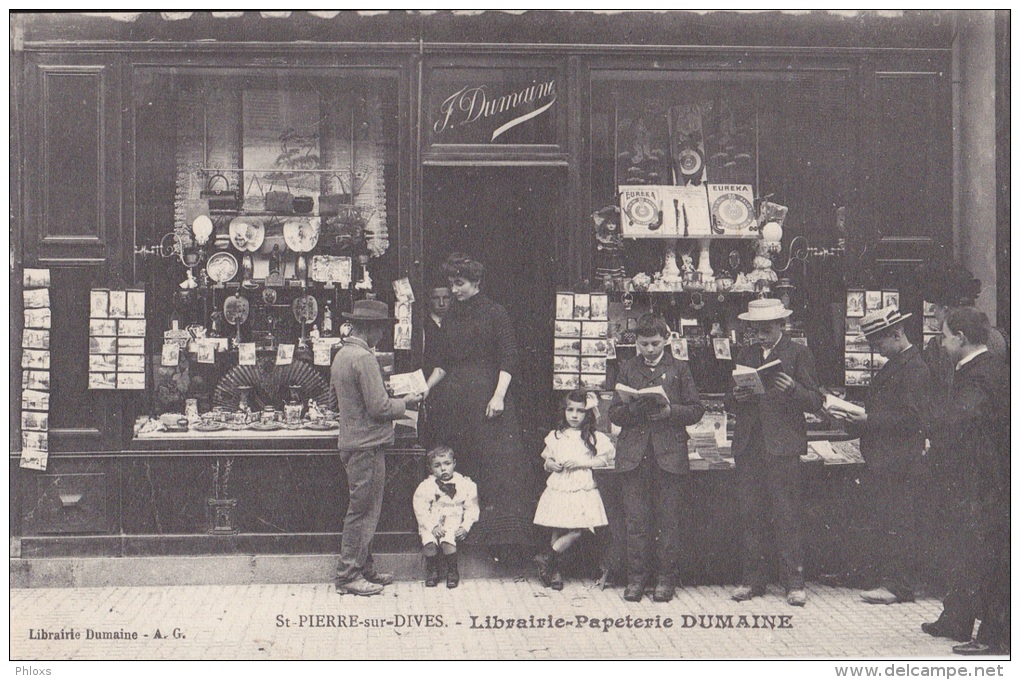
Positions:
{"x": 651, "y": 456}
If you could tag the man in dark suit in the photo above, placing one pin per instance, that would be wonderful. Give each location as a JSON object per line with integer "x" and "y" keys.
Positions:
{"x": 651, "y": 458}
{"x": 971, "y": 437}
{"x": 770, "y": 436}
{"x": 892, "y": 432}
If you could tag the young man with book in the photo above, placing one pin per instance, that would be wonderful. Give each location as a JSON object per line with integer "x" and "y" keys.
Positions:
{"x": 769, "y": 437}
{"x": 651, "y": 456}
{"x": 892, "y": 428}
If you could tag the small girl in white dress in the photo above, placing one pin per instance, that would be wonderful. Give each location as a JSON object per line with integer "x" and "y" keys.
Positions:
{"x": 571, "y": 502}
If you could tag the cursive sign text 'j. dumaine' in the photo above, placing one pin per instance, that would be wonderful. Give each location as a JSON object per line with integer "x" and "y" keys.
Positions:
{"x": 471, "y": 104}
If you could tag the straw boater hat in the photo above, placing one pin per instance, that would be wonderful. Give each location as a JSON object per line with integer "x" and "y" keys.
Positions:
{"x": 767, "y": 309}
{"x": 369, "y": 311}
{"x": 887, "y": 317}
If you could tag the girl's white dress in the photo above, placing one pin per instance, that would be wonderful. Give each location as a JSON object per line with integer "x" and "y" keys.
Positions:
{"x": 571, "y": 499}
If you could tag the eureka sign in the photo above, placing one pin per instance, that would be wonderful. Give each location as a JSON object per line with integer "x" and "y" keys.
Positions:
{"x": 478, "y": 107}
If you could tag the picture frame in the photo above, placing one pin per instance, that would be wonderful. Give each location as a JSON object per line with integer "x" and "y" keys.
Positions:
{"x": 855, "y": 303}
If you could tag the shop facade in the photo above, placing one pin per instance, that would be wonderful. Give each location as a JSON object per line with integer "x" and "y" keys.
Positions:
{"x": 202, "y": 196}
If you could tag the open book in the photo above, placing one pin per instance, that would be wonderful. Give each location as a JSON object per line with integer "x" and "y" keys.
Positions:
{"x": 656, "y": 393}
{"x": 401, "y": 384}
{"x": 758, "y": 379}
{"x": 838, "y": 408}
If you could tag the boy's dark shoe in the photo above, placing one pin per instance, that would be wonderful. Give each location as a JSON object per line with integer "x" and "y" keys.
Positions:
{"x": 634, "y": 591}
{"x": 431, "y": 572}
{"x": 975, "y": 648}
{"x": 556, "y": 580}
{"x": 664, "y": 590}
{"x": 381, "y": 578}
{"x": 452, "y": 571}
{"x": 359, "y": 586}
{"x": 546, "y": 562}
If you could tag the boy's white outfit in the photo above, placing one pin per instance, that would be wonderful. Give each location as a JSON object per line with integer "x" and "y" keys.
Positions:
{"x": 434, "y": 506}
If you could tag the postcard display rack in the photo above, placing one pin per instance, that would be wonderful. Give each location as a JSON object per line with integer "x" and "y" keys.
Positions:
{"x": 581, "y": 346}
{"x": 859, "y": 361}
{"x": 35, "y": 370}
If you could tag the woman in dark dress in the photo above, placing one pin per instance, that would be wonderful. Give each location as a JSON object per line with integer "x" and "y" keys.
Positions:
{"x": 472, "y": 412}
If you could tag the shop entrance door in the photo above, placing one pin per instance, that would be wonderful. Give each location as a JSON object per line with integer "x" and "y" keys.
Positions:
{"x": 506, "y": 218}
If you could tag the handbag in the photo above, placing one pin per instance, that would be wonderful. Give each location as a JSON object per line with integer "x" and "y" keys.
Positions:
{"x": 330, "y": 203}
{"x": 280, "y": 201}
{"x": 219, "y": 194}
{"x": 303, "y": 204}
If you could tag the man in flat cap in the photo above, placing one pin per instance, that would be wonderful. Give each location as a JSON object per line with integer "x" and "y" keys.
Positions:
{"x": 365, "y": 415}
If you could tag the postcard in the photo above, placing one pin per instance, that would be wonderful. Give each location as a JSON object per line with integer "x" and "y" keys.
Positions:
{"x": 102, "y": 381}
{"x": 721, "y": 347}
{"x": 246, "y": 354}
{"x": 103, "y": 362}
{"x": 599, "y": 306}
{"x": 855, "y": 303}
{"x": 402, "y": 289}
{"x": 35, "y": 339}
{"x": 102, "y": 327}
{"x": 593, "y": 364}
{"x": 594, "y": 347}
{"x": 594, "y": 329}
{"x": 37, "y": 318}
{"x": 582, "y": 305}
{"x": 131, "y": 327}
{"x": 99, "y": 303}
{"x": 35, "y": 358}
{"x": 564, "y": 305}
{"x": 38, "y": 298}
{"x": 891, "y": 298}
{"x": 36, "y": 278}
{"x": 321, "y": 354}
{"x": 593, "y": 382}
{"x": 35, "y": 440}
{"x": 35, "y": 420}
{"x": 171, "y": 354}
{"x": 284, "y": 354}
{"x": 136, "y": 304}
{"x": 567, "y": 329}
{"x": 118, "y": 304}
{"x": 35, "y": 380}
{"x": 130, "y": 381}
{"x": 35, "y": 400}
{"x": 131, "y": 363}
{"x": 566, "y": 346}
{"x": 872, "y": 301}
{"x": 131, "y": 345}
{"x": 678, "y": 347}
{"x": 205, "y": 351}
{"x": 565, "y": 364}
{"x": 566, "y": 381}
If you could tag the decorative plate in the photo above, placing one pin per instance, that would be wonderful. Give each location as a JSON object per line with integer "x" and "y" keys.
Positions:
{"x": 690, "y": 162}
{"x": 306, "y": 309}
{"x": 235, "y": 309}
{"x": 322, "y": 425}
{"x": 247, "y": 233}
{"x": 301, "y": 234}
{"x": 210, "y": 427}
{"x": 221, "y": 267}
{"x": 266, "y": 427}
{"x": 733, "y": 211}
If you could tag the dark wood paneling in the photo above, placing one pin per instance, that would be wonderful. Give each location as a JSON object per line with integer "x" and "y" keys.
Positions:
{"x": 71, "y": 210}
{"x": 911, "y": 174}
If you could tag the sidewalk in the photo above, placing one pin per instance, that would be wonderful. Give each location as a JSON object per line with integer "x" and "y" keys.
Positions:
{"x": 408, "y": 621}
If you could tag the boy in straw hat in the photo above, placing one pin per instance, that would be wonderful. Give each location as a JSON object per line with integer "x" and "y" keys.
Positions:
{"x": 769, "y": 437}
{"x": 892, "y": 432}
{"x": 365, "y": 415}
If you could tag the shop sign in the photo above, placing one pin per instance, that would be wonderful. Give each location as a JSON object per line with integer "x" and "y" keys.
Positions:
{"x": 506, "y": 112}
